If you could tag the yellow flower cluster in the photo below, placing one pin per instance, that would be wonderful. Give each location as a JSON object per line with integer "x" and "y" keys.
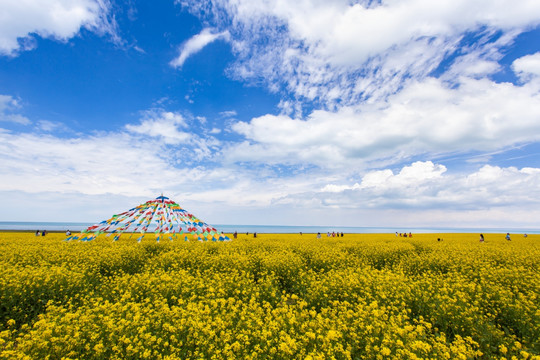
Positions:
{"x": 363, "y": 296}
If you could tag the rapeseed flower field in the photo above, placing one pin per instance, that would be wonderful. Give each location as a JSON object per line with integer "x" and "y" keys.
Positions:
{"x": 361, "y": 296}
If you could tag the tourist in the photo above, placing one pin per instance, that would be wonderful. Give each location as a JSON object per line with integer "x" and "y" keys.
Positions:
{"x": 481, "y": 238}
{"x": 318, "y": 235}
{"x": 255, "y": 235}
{"x": 507, "y": 237}
{"x": 68, "y": 233}
{"x": 235, "y": 235}
{"x": 37, "y": 233}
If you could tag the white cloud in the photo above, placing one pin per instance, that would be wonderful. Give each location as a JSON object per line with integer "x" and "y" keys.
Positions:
{"x": 8, "y": 110}
{"x": 134, "y": 162}
{"x": 8, "y": 102}
{"x": 472, "y": 66}
{"x": 339, "y": 53}
{"x": 527, "y": 67}
{"x": 48, "y": 126}
{"x": 410, "y": 183}
{"x": 333, "y": 30}
{"x": 162, "y": 124}
{"x": 15, "y": 118}
{"x": 117, "y": 163}
{"x": 187, "y": 146}
{"x": 196, "y": 44}
{"x": 55, "y": 19}
{"x": 228, "y": 114}
{"x": 90, "y": 165}
{"x": 189, "y": 99}
{"x": 426, "y": 117}
{"x": 418, "y": 173}
{"x": 427, "y": 185}
{"x": 80, "y": 173}
{"x": 420, "y": 194}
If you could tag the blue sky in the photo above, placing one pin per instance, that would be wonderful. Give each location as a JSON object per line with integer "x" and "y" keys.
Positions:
{"x": 370, "y": 113}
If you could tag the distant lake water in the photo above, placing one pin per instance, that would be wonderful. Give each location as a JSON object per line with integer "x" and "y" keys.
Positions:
{"x": 274, "y": 229}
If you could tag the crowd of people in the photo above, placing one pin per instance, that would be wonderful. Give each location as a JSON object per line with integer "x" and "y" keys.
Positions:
{"x": 328, "y": 234}
{"x": 403, "y": 234}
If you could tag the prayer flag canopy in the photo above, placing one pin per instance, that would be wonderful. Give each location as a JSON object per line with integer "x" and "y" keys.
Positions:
{"x": 161, "y": 216}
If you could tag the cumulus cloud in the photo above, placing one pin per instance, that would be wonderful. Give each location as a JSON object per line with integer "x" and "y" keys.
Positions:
{"x": 527, "y": 67}
{"x": 162, "y": 124}
{"x": 426, "y": 117}
{"x": 416, "y": 185}
{"x": 420, "y": 194}
{"x": 429, "y": 186}
{"x": 133, "y": 166}
{"x": 340, "y": 52}
{"x": 417, "y": 173}
{"x": 55, "y": 19}
{"x": 183, "y": 141}
{"x": 367, "y": 68}
{"x": 196, "y": 44}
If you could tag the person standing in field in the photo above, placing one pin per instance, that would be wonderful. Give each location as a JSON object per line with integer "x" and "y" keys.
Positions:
{"x": 481, "y": 238}
{"x": 318, "y": 235}
{"x": 507, "y": 237}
